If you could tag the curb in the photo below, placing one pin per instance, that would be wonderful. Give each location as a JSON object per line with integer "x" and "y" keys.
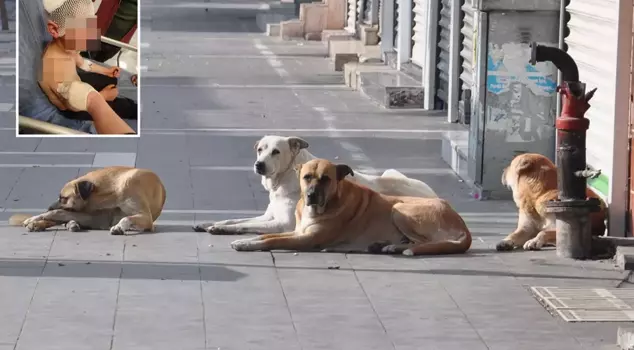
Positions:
{"x": 625, "y": 338}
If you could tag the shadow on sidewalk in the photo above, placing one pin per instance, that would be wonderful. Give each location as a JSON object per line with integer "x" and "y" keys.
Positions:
{"x": 220, "y": 271}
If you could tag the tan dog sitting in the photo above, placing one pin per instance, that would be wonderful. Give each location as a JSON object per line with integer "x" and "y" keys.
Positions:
{"x": 338, "y": 215}
{"x": 533, "y": 180}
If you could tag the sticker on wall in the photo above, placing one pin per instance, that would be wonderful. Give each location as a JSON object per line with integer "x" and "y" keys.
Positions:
{"x": 508, "y": 63}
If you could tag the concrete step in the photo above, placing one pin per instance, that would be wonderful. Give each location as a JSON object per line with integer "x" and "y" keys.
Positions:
{"x": 273, "y": 29}
{"x": 277, "y": 13}
{"x": 336, "y": 34}
{"x": 625, "y": 257}
{"x": 351, "y": 71}
{"x": 344, "y": 51}
{"x": 625, "y": 338}
{"x": 391, "y": 89}
{"x": 455, "y": 151}
{"x": 292, "y": 29}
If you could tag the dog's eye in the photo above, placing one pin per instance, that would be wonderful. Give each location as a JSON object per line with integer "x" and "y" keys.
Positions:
{"x": 259, "y": 150}
{"x": 275, "y": 152}
{"x": 324, "y": 179}
{"x": 63, "y": 200}
{"x": 307, "y": 177}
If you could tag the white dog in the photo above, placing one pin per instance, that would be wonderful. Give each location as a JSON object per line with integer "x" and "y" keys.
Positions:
{"x": 277, "y": 158}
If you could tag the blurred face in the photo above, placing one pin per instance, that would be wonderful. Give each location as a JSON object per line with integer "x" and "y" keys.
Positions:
{"x": 82, "y": 34}
{"x": 74, "y": 24}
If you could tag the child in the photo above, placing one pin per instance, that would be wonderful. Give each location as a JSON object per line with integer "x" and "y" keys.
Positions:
{"x": 73, "y": 26}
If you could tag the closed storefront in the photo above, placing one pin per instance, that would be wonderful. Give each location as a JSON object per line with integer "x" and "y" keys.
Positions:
{"x": 592, "y": 42}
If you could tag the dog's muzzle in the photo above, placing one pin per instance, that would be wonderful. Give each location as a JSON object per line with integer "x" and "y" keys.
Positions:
{"x": 54, "y": 206}
{"x": 260, "y": 168}
{"x": 313, "y": 197}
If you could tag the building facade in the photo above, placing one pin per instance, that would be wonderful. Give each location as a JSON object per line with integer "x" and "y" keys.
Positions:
{"x": 448, "y": 45}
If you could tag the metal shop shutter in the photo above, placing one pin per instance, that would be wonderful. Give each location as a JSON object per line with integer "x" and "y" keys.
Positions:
{"x": 466, "y": 76}
{"x": 442, "y": 61}
{"x": 352, "y": 16}
{"x": 396, "y": 18}
{"x": 592, "y": 43}
{"x": 419, "y": 32}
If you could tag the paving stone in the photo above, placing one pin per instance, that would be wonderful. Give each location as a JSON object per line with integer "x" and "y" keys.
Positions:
{"x": 248, "y": 313}
{"x": 8, "y": 142}
{"x": 87, "y": 245}
{"x": 330, "y": 310}
{"x": 46, "y": 159}
{"x": 70, "y": 313}
{"x": 10, "y": 177}
{"x": 150, "y": 247}
{"x": 159, "y": 314}
{"x": 106, "y": 159}
{"x": 15, "y": 297}
{"x": 207, "y": 192}
{"x": 16, "y": 243}
{"x": 26, "y": 194}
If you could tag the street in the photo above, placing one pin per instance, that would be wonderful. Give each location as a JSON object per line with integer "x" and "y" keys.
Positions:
{"x": 214, "y": 85}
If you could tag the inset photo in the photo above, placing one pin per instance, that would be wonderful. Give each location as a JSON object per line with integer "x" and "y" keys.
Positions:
{"x": 78, "y": 68}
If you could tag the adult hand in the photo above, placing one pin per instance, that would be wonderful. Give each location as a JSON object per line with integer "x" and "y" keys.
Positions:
{"x": 114, "y": 72}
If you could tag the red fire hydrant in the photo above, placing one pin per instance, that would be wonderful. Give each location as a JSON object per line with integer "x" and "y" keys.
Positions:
{"x": 572, "y": 209}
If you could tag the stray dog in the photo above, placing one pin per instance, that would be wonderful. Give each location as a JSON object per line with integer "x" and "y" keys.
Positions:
{"x": 533, "y": 180}
{"x": 116, "y": 198}
{"x": 338, "y": 215}
{"x": 277, "y": 158}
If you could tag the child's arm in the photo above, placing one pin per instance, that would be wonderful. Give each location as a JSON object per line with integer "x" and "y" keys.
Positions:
{"x": 88, "y": 66}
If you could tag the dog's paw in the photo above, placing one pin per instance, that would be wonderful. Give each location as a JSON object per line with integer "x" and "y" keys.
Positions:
{"x": 73, "y": 226}
{"x": 199, "y": 228}
{"x": 35, "y": 226}
{"x": 505, "y": 246}
{"x": 117, "y": 230}
{"x": 377, "y": 247}
{"x": 408, "y": 252}
{"x": 243, "y": 245}
{"x": 533, "y": 244}
{"x": 219, "y": 230}
{"x": 31, "y": 220}
{"x": 390, "y": 249}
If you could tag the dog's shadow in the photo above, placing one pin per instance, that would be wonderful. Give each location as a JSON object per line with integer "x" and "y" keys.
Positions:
{"x": 157, "y": 229}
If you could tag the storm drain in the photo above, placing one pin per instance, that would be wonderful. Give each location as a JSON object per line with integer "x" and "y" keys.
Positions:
{"x": 588, "y": 304}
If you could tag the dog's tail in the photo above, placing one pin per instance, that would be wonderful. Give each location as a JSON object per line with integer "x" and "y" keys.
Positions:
{"x": 18, "y": 219}
{"x": 393, "y": 173}
{"x": 395, "y": 180}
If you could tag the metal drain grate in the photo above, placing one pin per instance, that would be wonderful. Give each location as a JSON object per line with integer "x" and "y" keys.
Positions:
{"x": 588, "y": 304}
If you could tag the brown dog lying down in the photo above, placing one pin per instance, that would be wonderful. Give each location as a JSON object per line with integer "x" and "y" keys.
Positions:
{"x": 116, "y": 198}
{"x": 338, "y": 215}
{"x": 533, "y": 180}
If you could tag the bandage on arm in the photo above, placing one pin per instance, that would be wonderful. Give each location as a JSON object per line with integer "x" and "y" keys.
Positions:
{"x": 75, "y": 94}
{"x": 82, "y": 97}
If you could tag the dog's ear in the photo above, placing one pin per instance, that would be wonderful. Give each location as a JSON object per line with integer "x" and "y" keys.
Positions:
{"x": 255, "y": 146}
{"x": 343, "y": 171}
{"x": 525, "y": 165}
{"x": 297, "y": 143}
{"x": 85, "y": 189}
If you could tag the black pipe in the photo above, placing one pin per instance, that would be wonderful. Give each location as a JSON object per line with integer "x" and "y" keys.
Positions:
{"x": 561, "y": 60}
